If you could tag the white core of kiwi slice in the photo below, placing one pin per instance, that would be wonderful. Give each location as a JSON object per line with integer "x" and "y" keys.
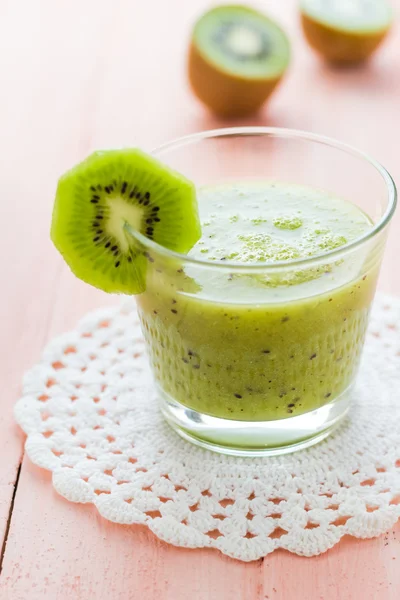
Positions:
{"x": 120, "y": 212}
{"x": 245, "y": 42}
{"x": 358, "y": 16}
{"x": 96, "y": 200}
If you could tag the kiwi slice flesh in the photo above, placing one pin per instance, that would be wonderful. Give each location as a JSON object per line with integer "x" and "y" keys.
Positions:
{"x": 100, "y": 201}
{"x": 236, "y": 58}
{"x": 345, "y": 31}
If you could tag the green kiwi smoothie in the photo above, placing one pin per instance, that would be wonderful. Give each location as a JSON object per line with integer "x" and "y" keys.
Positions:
{"x": 231, "y": 339}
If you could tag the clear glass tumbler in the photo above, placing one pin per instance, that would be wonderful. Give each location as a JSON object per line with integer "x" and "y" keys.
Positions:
{"x": 257, "y": 373}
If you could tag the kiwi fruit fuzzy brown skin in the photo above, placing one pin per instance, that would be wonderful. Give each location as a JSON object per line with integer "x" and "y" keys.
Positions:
{"x": 226, "y": 94}
{"x": 338, "y": 46}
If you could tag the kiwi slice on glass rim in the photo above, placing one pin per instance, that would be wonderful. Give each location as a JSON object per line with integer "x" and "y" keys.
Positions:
{"x": 110, "y": 192}
{"x": 237, "y": 56}
{"x": 345, "y": 31}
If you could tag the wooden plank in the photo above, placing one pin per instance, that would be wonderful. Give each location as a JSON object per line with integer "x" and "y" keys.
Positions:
{"x": 112, "y": 75}
{"x": 367, "y": 569}
{"x": 40, "y": 137}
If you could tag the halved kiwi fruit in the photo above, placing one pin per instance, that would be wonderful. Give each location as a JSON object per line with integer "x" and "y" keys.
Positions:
{"x": 345, "y": 31}
{"x": 101, "y": 198}
{"x": 237, "y": 56}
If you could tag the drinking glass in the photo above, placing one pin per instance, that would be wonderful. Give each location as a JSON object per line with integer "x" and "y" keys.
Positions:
{"x": 261, "y": 358}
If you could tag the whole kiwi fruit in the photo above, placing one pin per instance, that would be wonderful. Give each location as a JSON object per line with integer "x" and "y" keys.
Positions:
{"x": 237, "y": 57}
{"x": 345, "y": 31}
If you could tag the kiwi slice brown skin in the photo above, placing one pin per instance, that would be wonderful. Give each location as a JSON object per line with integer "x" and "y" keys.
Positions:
{"x": 226, "y": 94}
{"x": 338, "y": 46}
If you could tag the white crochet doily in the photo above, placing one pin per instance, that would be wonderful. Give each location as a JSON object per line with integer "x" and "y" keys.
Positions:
{"x": 89, "y": 411}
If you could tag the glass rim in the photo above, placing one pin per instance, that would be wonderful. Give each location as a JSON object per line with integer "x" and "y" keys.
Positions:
{"x": 288, "y": 134}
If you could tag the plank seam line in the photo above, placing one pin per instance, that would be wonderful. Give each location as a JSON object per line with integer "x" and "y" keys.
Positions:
{"x": 3, "y": 548}
{"x": 260, "y": 586}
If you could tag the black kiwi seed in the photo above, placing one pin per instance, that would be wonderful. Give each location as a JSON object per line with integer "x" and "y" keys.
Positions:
{"x": 107, "y": 189}
{"x": 129, "y": 258}
{"x": 147, "y": 195}
{"x": 108, "y": 245}
{"x": 146, "y": 202}
{"x": 95, "y": 224}
{"x": 94, "y": 201}
{"x": 92, "y": 188}
{"x": 157, "y": 220}
{"x": 237, "y": 395}
{"x": 117, "y": 263}
{"x": 149, "y": 221}
{"x": 132, "y": 193}
{"x": 113, "y": 248}
{"x": 123, "y": 187}
{"x": 96, "y": 239}
{"x": 99, "y": 231}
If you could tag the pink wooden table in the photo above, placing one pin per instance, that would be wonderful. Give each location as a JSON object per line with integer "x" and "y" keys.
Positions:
{"x": 76, "y": 76}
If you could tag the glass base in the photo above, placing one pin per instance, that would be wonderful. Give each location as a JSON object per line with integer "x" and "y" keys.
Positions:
{"x": 254, "y": 438}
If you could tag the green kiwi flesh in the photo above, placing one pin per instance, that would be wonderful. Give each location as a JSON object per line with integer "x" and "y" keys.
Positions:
{"x": 106, "y": 195}
{"x": 361, "y": 17}
{"x": 242, "y": 42}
